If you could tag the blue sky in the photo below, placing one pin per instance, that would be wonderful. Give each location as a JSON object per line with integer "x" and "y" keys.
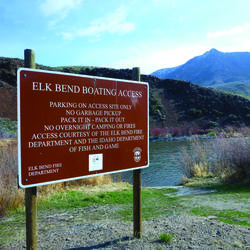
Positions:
{"x": 151, "y": 34}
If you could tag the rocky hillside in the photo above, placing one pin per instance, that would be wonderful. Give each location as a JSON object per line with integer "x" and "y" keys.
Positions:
{"x": 172, "y": 103}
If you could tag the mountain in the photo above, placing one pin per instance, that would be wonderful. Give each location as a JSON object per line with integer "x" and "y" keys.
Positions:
{"x": 172, "y": 103}
{"x": 226, "y": 71}
{"x": 161, "y": 73}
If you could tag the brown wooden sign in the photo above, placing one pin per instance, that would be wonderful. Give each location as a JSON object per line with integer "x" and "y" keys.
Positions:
{"x": 74, "y": 126}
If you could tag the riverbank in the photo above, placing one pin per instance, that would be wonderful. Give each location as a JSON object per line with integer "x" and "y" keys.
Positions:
{"x": 101, "y": 217}
{"x": 179, "y": 138}
{"x": 185, "y": 135}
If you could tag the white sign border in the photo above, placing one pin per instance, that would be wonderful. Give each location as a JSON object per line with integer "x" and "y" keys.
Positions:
{"x": 19, "y": 127}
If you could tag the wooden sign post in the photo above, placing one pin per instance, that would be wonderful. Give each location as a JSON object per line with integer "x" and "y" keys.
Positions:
{"x": 137, "y": 182}
{"x": 76, "y": 126}
{"x": 30, "y": 193}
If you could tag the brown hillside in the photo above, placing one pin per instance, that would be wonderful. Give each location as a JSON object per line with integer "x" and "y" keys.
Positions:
{"x": 8, "y": 102}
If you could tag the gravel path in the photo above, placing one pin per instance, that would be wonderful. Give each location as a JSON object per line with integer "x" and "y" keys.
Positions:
{"x": 71, "y": 231}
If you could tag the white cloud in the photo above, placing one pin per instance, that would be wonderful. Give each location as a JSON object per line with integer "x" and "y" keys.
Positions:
{"x": 234, "y": 31}
{"x": 151, "y": 59}
{"x": 112, "y": 23}
{"x": 58, "y": 7}
{"x": 171, "y": 3}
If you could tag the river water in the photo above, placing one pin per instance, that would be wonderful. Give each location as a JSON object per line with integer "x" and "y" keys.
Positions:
{"x": 164, "y": 164}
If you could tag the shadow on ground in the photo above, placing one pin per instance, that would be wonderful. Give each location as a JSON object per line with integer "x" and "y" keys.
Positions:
{"x": 105, "y": 244}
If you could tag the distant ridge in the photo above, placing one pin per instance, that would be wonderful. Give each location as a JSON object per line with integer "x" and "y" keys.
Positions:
{"x": 223, "y": 70}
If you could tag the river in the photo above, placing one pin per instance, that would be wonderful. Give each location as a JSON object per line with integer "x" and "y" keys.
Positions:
{"x": 164, "y": 164}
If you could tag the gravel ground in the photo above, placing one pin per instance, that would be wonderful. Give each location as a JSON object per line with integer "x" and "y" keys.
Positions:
{"x": 189, "y": 232}
{"x": 100, "y": 227}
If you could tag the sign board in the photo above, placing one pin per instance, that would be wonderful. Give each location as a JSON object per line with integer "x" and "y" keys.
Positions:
{"x": 73, "y": 126}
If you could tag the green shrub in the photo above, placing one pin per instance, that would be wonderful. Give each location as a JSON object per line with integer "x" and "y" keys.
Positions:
{"x": 191, "y": 100}
{"x": 212, "y": 133}
{"x": 212, "y": 124}
{"x": 166, "y": 237}
{"x": 232, "y": 117}
{"x": 216, "y": 112}
{"x": 195, "y": 112}
{"x": 156, "y": 109}
{"x": 8, "y": 128}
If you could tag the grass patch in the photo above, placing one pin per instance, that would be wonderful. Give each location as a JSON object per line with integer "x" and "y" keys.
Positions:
{"x": 233, "y": 188}
{"x": 235, "y": 222}
{"x": 232, "y": 191}
{"x": 215, "y": 183}
{"x": 166, "y": 237}
{"x": 12, "y": 228}
{"x": 74, "y": 198}
{"x": 155, "y": 202}
{"x": 226, "y": 215}
{"x": 237, "y": 193}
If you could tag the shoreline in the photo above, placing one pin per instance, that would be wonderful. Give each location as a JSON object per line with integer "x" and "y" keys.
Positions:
{"x": 180, "y": 138}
